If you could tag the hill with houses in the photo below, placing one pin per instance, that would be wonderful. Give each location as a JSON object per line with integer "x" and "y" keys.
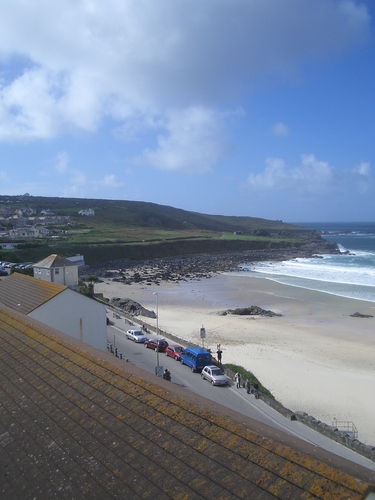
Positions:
{"x": 33, "y": 227}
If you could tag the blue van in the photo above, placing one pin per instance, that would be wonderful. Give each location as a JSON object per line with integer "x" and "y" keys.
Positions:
{"x": 196, "y": 357}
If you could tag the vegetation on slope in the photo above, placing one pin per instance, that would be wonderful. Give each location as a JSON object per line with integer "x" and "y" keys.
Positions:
{"x": 141, "y": 230}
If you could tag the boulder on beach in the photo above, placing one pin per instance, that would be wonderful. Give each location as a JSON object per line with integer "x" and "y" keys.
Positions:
{"x": 132, "y": 307}
{"x": 250, "y": 311}
{"x": 360, "y": 315}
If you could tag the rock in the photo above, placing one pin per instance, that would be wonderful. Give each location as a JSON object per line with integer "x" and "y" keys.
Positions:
{"x": 359, "y": 315}
{"x": 251, "y": 311}
{"x": 202, "y": 266}
{"x": 132, "y": 307}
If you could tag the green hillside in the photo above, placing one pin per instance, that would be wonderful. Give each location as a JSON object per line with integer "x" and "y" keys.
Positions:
{"x": 139, "y": 230}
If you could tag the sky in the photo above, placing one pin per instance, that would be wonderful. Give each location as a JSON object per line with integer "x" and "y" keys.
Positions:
{"x": 261, "y": 108}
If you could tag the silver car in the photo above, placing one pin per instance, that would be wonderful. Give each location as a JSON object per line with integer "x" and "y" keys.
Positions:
{"x": 136, "y": 336}
{"x": 215, "y": 375}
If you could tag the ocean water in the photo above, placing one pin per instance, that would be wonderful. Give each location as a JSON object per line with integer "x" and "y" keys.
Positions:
{"x": 347, "y": 274}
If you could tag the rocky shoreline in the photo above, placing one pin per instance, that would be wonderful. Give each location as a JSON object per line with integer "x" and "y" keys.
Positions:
{"x": 196, "y": 267}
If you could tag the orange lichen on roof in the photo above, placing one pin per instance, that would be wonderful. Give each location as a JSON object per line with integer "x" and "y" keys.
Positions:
{"x": 24, "y": 293}
{"x": 81, "y": 425}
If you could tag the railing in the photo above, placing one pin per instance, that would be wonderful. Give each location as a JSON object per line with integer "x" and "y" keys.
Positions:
{"x": 346, "y": 426}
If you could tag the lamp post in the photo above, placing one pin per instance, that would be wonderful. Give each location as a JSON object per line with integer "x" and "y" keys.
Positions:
{"x": 157, "y": 312}
{"x": 158, "y": 371}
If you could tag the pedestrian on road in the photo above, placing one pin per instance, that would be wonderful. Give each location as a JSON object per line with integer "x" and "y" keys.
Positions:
{"x": 247, "y": 385}
{"x": 238, "y": 380}
{"x": 219, "y": 353}
{"x": 256, "y": 391}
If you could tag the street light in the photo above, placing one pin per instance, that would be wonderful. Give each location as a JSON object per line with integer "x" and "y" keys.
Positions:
{"x": 157, "y": 312}
{"x": 158, "y": 369}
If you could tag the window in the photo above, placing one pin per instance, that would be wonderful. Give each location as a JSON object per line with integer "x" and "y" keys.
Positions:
{"x": 57, "y": 270}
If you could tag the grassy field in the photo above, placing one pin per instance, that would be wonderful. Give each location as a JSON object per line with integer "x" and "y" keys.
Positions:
{"x": 140, "y": 230}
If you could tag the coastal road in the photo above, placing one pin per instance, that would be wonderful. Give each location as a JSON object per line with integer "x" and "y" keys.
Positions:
{"x": 229, "y": 396}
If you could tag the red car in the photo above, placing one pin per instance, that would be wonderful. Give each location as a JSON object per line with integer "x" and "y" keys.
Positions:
{"x": 174, "y": 351}
{"x": 156, "y": 344}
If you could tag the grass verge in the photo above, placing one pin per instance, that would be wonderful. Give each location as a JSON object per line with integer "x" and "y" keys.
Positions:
{"x": 253, "y": 380}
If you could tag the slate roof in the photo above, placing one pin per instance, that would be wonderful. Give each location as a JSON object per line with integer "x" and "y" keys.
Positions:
{"x": 54, "y": 260}
{"x": 73, "y": 424}
{"x": 24, "y": 293}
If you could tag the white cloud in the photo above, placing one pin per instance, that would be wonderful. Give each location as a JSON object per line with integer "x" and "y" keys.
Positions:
{"x": 107, "y": 181}
{"x": 363, "y": 169}
{"x": 69, "y": 65}
{"x": 79, "y": 183}
{"x": 194, "y": 141}
{"x": 311, "y": 177}
{"x": 3, "y": 176}
{"x": 362, "y": 177}
{"x": 280, "y": 129}
{"x": 62, "y": 162}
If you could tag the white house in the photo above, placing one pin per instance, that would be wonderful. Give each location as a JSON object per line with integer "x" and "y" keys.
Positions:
{"x": 89, "y": 212}
{"x": 58, "y": 307}
{"x": 56, "y": 269}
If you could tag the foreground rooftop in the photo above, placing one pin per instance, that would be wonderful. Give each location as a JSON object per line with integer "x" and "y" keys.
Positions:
{"x": 76, "y": 423}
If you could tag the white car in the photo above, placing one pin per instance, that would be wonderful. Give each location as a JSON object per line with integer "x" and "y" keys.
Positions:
{"x": 215, "y": 375}
{"x": 136, "y": 336}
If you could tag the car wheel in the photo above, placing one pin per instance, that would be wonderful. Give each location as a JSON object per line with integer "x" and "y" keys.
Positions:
{"x": 202, "y": 375}
{"x": 212, "y": 382}
{"x": 145, "y": 345}
{"x": 176, "y": 358}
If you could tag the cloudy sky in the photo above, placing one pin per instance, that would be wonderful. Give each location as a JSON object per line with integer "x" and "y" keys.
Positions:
{"x": 263, "y": 108}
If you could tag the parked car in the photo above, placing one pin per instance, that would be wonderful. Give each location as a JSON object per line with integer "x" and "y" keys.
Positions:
{"x": 136, "y": 336}
{"x": 175, "y": 351}
{"x": 156, "y": 344}
{"x": 215, "y": 375}
{"x": 3, "y": 272}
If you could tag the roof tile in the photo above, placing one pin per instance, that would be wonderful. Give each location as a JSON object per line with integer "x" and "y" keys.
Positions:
{"x": 24, "y": 293}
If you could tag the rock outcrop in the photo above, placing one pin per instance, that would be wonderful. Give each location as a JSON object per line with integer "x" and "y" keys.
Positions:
{"x": 132, "y": 307}
{"x": 250, "y": 311}
{"x": 360, "y": 315}
{"x": 197, "y": 267}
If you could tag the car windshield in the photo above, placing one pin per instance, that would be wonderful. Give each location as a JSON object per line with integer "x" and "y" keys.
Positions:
{"x": 138, "y": 334}
{"x": 217, "y": 372}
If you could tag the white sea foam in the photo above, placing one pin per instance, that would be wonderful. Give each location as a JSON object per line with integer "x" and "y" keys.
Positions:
{"x": 349, "y": 274}
{"x": 343, "y": 275}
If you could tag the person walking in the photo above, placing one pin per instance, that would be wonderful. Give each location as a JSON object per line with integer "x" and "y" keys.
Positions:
{"x": 219, "y": 354}
{"x": 238, "y": 380}
{"x": 247, "y": 385}
{"x": 256, "y": 391}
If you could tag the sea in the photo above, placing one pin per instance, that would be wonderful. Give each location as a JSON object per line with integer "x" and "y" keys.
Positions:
{"x": 348, "y": 274}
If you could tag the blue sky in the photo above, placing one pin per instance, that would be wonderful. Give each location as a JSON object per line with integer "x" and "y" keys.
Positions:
{"x": 261, "y": 108}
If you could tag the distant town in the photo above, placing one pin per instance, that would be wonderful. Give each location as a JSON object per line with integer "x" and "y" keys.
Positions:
{"x": 26, "y": 223}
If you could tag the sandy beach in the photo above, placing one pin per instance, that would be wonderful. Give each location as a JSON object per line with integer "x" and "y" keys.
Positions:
{"x": 314, "y": 358}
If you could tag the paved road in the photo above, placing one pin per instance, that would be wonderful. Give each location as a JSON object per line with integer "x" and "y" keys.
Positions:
{"x": 230, "y": 396}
